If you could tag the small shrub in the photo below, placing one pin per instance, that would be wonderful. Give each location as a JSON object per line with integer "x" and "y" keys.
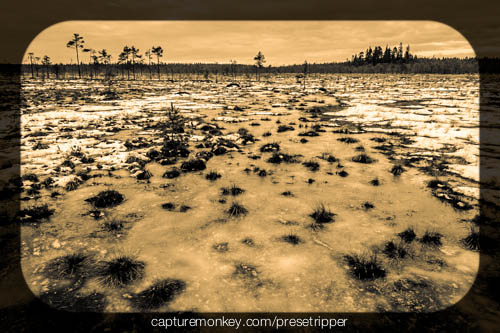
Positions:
{"x": 172, "y": 173}
{"x": 184, "y": 208}
{"x": 375, "y": 182}
{"x": 368, "y": 205}
{"x": 343, "y": 173}
{"x": 287, "y": 194}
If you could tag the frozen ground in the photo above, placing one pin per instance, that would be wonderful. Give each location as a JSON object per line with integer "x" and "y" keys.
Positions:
{"x": 83, "y": 137}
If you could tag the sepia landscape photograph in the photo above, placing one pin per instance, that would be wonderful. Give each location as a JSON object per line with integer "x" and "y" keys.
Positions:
{"x": 250, "y": 166}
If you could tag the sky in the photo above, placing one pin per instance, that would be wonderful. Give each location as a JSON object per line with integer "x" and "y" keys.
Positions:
{"x": 282, "y": 42}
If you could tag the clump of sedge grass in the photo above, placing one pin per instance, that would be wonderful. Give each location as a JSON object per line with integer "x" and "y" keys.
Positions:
{"x": 120, "y": 271}
{"x": 105, "y": 199}
{"x": 365, "y": 267}
{"x": 234, "y": 190}
{"x": 236, "y": 209}
{"x": 71, "y": 266}
{"x": 322, "y": 215}
{"x": 363, "y": 158}
{"x": 431, "y": 238}
{"x": 472, "y": 241}
{"x": 311, "y": 165}
{"x": 160, "y": 293}
{"x": 408, "y": 235}
{"x": 212, "y": 175}
{"x": 292, "y": 239}
{"x": 397, "y": 170}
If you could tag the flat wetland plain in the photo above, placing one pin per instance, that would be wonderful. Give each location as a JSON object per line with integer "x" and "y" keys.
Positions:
{"x": 358, "y": 193}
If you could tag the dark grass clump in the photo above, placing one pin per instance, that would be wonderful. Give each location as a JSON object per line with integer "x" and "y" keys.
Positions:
{"x": 395, "y": 251}
{"x": 266, "y": 134}
{"x": 472, "y": 241}
{"x": 360, "y": 148}
{"x": 292, "y": 239}
{"x": 168, "y": 206}
{"x": 328, "y": 157}
{"x": 71, "y": 185}
{"x": 144, "y": 175}
{"x": 348, "y": 140}
{"x": 236, "y": 209}
{"x": 343, "y": 173}
{"x": 278, "y": 158}
{"x": 304, "y": 140}
{"x": 234, "y": 190}
{"x": 285, "y": 128}
{"x": 113, "y": 225}
{"x": 262, "y": 173}
{"x": 431, "y": 238}
{"x": 375, "y": 182}
{"x": 213, "y": 175}
{"x": 287, "y": 194}
{"x": 310, "y": 181}
{"x": 397, "y": 170}
{"x": 221, "y": 247}
{"x": 35, "y": 213}
{"x": 408, "y": 235}
{"x": 435, "y": 184}
{"x": 270, "y": 147}
{"x": 193, "y": 165}
{"x": 184, "y": 208}
{"x": 309, "y": 133}
{"x": 321, "y": 214}
{"x": 121, "y": 271}
{"x": 363, "y": 158}
{"x": 69, "y": 300}
{"x": 365, "y": 268}
{"x": 245, "y": 271}
{"x": 311, "y": 165}
{"x": 71, "y": 266}
{"x": 159, "y": 294}
{"x": 30, "y": 177}
{"x": 107, "y": 198}
{"x": 172, "y": 173}
{"x": 248, "y": 241}
{"x": 368, "y": 205}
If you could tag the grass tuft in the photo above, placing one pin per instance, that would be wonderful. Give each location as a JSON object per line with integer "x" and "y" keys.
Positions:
{"x": 408, "y": 235}
{"x": 311, "y": 165}
{"x": 365, "y": 268}
{"x": 363, "y": 158}
{"x": 431, "y": 238}
{"x": 160, "y": 293}
{"x": 212, "y": 175}
{"x": 236, "y": 209}
{"x": 105, "y": 199}
{"x": 120, "y": 271}
{"x": 322, "y": 215}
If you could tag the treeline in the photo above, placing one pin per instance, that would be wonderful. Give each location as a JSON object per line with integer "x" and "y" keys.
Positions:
{"x": 212, "y": 71}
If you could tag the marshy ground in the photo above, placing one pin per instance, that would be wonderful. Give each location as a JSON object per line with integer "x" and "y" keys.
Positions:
{"x": 374, "y": 211}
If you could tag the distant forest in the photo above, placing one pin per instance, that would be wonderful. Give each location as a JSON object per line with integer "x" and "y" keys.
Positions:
{"x": 130, "y": 64}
